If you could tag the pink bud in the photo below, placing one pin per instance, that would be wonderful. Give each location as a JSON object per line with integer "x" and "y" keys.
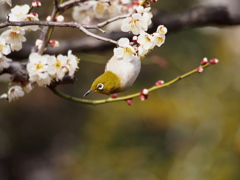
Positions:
{"x": 200, "y": 69}
{"x": 144, "y": 92}
{"x": 54, "y": 43}
{"x": 114, "y": 95}
{"x": 204, "y": 61}
{"x": 146, "y": 4}
{"x": 36, "y": 4}
{"x": 34, "y": 14}
{"x": 159, "y": 83}
{"x": 135, "y": 38}
{"x": 129, "y": 102}
{"x": 214, "y": 61}
{"x": 143, "y": 97}
{"x": 154, "y": 0}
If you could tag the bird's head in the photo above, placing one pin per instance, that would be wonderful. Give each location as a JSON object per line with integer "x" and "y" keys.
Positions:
{"x": 107, "y": 83}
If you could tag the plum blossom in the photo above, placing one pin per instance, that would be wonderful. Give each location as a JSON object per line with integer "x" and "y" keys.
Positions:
{"x": 13, "y": 93}
{"x": 125, "y": 51}
{"x": 4, "y": 48}
{"x": 137, "y": 21}
{"x": 14, "y": 38}
{"x": 38, "y": 69}
{"x": 21, "y": 13}
{"x": 4, "y": 62}
{"x": 62, "y": 65}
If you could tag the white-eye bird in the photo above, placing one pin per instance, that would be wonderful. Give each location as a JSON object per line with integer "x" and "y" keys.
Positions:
{"x": 119, "y": 75}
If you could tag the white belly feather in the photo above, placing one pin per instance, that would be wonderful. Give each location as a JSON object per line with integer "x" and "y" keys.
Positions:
{"x": 126, "y": 70}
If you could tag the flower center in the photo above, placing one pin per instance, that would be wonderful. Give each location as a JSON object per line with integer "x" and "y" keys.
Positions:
{"x": 58, "y": 64}
{"x": 14, "y": 34}
{"x": 39, "y": 66}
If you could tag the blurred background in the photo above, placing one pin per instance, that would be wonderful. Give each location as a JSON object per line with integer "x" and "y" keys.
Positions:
{"x": 187, "y": 131}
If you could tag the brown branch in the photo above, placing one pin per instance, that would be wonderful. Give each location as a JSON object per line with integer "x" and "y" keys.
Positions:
{"x": 198, "y": 17}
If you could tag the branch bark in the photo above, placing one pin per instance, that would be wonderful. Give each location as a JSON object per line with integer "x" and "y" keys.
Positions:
{"x": 202, "y": 16}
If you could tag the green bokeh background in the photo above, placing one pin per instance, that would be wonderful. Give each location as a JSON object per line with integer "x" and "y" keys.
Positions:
{"x": 187, "y": 131}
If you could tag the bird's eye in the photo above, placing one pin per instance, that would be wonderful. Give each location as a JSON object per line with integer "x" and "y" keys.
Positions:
{"x": 100, "y": 86}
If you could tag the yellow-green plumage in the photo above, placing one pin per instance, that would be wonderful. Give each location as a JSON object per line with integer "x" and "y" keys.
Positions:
{"x": 119, "y": 75}
{"x": 110, "y": 81}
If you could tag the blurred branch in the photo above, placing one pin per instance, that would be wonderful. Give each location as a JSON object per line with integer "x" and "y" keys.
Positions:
{"x": 128, "y": 97}
{"x": 198, "y": 17}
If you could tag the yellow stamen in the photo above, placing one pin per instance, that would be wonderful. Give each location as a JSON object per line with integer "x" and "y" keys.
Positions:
{"x": 39, "y": 66}
{"x": 14, "y": 34}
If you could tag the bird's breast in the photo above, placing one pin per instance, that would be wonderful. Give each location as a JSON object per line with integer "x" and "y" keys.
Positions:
{"x": 127, "y": 71}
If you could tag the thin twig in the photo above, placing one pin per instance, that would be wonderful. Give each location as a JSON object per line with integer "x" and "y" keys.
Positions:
{"x": 123, "y": 98}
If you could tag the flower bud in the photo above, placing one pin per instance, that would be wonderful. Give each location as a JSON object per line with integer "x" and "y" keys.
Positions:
{"x": 204, "y": 61}
{"x": 214, "y": 61}
{"x": 59, "y": 18}
{"x": 200, "y": 69}
{"x": 154, "y": 0}
{"x": 159, "y": 83}
{"x": 34, "y": 14}
{"x": 144, "y": 94}
{"x": 129, "y": 102}
{"x": 146, "y": 4}
{"x": 114, "y": 95}
{"x": 48, "y": 18}
{"x": 36, "y": 4}
{"x": 143, "y": 97}
{"x": 161, "y": 29}
{"x": 134, "y": 39}
{"x": 54, "y": 43}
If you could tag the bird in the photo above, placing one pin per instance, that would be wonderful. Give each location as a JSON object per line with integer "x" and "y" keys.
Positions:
{"x": 119, "y": 75}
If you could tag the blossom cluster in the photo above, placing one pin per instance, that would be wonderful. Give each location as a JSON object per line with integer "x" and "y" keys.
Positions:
{"x": 138, "y": 23}
{"x": 141, "y": 45}
{"x": 43, "y": 69}
{"x": 91, "y": 12}
{"x": 12, "y": 39}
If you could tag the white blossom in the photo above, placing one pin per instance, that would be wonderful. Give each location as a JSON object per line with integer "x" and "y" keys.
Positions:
{"x": 62, "y": 65}
{"x": 38, "y": 69}
{"x": 158, "y": 39}
{"x": 21, "y": 13}
{"x": 4, "y": 62}
{"x": 18, "y": 13}
{"x": 146, "y": 40}
{"x": 14, "y": 38}
{"x": 84, "y": 13}
{"x": 7, "y": 1}
{"x": 137, "y": 21}
{"x": 72, "y": 63}
{"x": 125, "y": 51}
{"x": 4, "y": 48}
{"x": 161, "y": 29}
{"x": 13, "y": 93}
{"x": 28, "y": 87}
{"x": 159, "y": 35}
{"x": 134, "y": 23}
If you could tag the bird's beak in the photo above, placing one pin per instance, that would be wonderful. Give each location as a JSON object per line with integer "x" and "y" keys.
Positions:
{"x": 88, "y": 92}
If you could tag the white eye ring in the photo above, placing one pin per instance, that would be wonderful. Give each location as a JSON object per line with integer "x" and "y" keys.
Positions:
{"x": 100, "y": 86}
